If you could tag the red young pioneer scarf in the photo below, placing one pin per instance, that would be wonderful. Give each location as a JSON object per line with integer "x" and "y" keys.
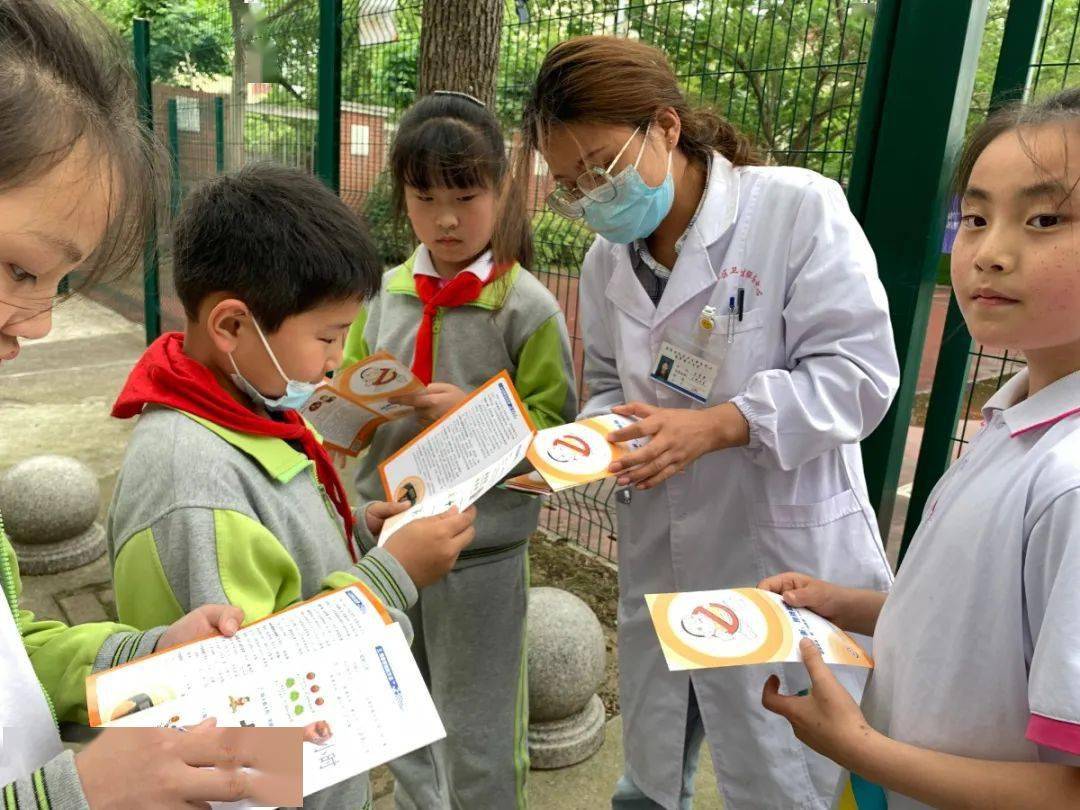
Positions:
{"x": 462, "y": 289}
{"x": 166, "y": 376}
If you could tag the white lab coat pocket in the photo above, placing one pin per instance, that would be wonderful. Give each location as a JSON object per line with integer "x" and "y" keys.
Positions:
{"x": 831, "y": 540}
{"x": 743, "y": 357}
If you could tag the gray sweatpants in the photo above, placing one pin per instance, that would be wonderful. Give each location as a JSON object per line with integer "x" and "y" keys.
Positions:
{"x": 470, "y": 646}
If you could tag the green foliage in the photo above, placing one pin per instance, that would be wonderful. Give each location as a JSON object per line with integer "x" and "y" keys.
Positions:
{"x": 190, "y": 37}
{"x": 383, "y": 74}
{"x": 559, "y": 243}
{"x": 1058, "y": 56}
{"x": 279, "y": 138}
{"x": 392, "y": 234}
{"x": 788, "y": 72}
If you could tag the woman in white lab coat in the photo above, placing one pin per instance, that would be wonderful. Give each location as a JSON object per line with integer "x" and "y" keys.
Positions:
{"x": 755, "y": 290}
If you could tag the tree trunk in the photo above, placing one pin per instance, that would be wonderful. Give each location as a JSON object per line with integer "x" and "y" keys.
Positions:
{"x": 459, "y": 47}
{"x": 234, "y": 130}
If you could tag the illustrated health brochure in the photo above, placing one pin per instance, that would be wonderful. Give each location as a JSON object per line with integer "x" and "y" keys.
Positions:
{"x": 725, "y": 628}
{"x": 571, "y": 455}
{"x": 481, "y": 441}
{"x": 461, "y": 456}
{"x": 338, "y": 658}
{"x": 347, "y": 411}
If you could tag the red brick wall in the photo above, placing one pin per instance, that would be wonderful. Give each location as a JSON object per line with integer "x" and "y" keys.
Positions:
{"x": 197, "y": 157}
{"x": 359, "y": 172}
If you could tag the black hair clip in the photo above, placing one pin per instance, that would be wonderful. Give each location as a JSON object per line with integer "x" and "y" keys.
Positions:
{"x": 460, "y": 94}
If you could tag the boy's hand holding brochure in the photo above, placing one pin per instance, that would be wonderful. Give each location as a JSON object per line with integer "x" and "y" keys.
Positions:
{"x": 336, "y": 666}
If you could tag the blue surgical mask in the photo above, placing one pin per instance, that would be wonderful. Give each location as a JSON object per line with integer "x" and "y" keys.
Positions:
{"x": 296, "y": 392}
{"x": 637, "y": 209}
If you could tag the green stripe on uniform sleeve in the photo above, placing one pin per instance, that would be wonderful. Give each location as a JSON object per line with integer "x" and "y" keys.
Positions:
{"x": 118, "y": 655}
{"x": 371, "y": 575}
{"x": 383, "y": 574}
{"x": 402, "y": 600}
{"x": 41, "y": 792}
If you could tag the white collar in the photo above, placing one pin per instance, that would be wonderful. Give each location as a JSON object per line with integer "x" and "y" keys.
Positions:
{"x": 1046, "y": 408}
{"x": 718, "y": 211}
{"x": 481, "y": 268}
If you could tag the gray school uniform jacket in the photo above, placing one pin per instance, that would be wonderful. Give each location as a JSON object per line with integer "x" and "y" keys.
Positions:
{"x": 207, "y": 515}
{"x": 515, "y": 325}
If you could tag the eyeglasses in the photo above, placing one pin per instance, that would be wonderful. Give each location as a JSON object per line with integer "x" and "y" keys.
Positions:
{"x": 593, "y": 185}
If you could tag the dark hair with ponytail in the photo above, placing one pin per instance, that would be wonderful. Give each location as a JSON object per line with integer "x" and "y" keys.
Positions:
{"x": 65, "y": 80}
{"x": 611, "y": 80}
{"x": 451, "y": 140}
{"x": 1062, "y": 107}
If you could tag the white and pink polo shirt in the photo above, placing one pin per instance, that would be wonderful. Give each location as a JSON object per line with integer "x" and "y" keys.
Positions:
{"x": 978, "y": 646}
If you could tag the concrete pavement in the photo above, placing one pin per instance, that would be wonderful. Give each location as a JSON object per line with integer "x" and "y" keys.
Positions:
{"x": 588, "y": 786}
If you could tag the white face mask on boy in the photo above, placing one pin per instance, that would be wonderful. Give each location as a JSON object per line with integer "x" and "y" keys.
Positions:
{"x": 296, "y": 392}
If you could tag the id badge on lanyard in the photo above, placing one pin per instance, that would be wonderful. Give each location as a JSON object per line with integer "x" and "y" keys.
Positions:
{"x": 689, "y": 362}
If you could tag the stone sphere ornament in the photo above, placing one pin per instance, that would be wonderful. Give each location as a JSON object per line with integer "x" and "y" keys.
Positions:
{"x": 567, "y": 659}
{"x": 49, "y": 506}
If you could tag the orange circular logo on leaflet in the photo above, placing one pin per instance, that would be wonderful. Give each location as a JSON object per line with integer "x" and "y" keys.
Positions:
{"x": 691, "y": 630}
{"x": 711, "y": 621}
{"x": 566, "y": 449}
{"x": 576, "y": 454}
{"x": 378, "y": 376}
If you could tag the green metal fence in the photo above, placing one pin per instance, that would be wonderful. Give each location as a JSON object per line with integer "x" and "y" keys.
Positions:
{"x": 1040, "y": 54}
{"x": 321, "y": 84}
{"x": 211, "y": 120}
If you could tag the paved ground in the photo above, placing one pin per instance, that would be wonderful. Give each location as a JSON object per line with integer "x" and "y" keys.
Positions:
{"x": 56, "y": 398}
{"x": 588, "y": 786}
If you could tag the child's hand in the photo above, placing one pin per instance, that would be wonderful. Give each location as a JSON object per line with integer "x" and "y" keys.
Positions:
{"x": 677, "y": 438}
{"x": 428, "y": 548}
{"x": 163, "y": 768}
{"x": 317, "y": 733}
{"x": 202, "y": 622}
{"x": 377, "y": 513}
{"x": 827, "y": 719}
{"x": 853, "y": 609}
{"x": 434, "y": 402}
{"x": 801, "y": 590}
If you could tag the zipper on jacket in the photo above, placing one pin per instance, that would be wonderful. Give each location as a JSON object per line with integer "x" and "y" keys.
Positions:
{"x": 331, "y": 510}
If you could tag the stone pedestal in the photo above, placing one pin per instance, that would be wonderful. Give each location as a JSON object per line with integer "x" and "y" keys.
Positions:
{"x": 566, "y": 667}
{"x": 50, "y": 504}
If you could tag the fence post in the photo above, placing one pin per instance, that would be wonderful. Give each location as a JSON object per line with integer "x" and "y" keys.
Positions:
{"x": 151, "y": 290}
{"x": 174, "y": 157}
{"x": 328, "y": 139}
{"x": 923, "y": 112}
{"x": 219, "y": 134}
{"x": 870, "y": 106}
{"x": 1022, "y": 26}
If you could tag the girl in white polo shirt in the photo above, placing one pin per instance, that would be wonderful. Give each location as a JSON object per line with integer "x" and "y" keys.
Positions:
{"x": 975, "y": 699}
